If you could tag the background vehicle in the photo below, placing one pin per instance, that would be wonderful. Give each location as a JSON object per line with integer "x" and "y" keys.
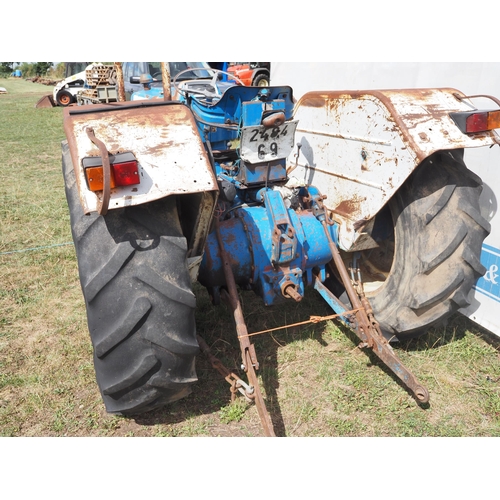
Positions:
{"x": 65, "y": 91}
{"x": 212, "y": 82}
{"x": 363, "y": 196}
{"x": 133, "y": 70}
{"x": 75, "y": 82}
{"x": 84, "y": 86}
{"x": 253, "y": 73}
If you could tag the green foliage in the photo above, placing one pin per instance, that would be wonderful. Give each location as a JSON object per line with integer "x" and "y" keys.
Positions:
{"x": 6, "y": 67}
{"x": 29, "y": 69}
{"x": 41, "y": 68}
{"x": 26, "y": 69}
{"x": 58, "y": 71}
{"x": 233, "y": 412}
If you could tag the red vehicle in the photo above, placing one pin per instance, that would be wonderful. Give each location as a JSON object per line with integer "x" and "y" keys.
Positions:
{"x": 254, "y": 74}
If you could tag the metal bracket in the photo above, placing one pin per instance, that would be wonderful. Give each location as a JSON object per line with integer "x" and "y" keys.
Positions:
{"x": 103, "y": 203}
{"x": 248, "y": 355}
{"x": 237, "y": 384}
{"x": 282, "y": 230}
{"x": 366, "y": 327}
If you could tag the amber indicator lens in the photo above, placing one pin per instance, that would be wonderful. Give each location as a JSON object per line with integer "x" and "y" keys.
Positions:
{"x": 124, "y": 171}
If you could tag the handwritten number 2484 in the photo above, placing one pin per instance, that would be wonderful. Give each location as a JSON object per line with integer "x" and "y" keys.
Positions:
{"x": 265, "y": 135}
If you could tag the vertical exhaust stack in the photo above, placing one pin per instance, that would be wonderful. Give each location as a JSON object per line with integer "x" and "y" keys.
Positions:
{"x": 119, "y": 81}
{"x": 165, "y": 76}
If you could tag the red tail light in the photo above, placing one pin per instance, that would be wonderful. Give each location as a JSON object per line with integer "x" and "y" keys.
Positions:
{"x": 471, "y": 122}
{"x": 124, "y": 171}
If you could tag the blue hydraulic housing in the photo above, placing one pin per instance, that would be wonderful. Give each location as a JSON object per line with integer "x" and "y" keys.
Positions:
{"x": 271, "y": 232}
{"x": 274, "y": 264}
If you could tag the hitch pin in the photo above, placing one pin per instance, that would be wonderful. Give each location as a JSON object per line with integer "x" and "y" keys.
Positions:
{"x": 297, "y": 154}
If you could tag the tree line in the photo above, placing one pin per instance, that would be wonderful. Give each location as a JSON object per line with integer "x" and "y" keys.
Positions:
{"x": 33, "y": 69}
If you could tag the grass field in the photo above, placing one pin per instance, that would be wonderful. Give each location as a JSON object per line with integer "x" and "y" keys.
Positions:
{"x": 315, "y": 380}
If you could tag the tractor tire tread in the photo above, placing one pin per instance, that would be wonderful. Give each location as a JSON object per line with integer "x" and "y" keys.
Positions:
{"x": 140, "y": 307}
{"x": 439, "y": 232}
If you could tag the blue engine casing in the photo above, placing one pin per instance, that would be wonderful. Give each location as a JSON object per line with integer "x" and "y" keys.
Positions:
{"x": 270, "y": 232}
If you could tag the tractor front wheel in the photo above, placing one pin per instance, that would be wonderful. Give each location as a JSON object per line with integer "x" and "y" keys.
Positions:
{"x": 140, "y": 305}
{"x": 430, "y": 238}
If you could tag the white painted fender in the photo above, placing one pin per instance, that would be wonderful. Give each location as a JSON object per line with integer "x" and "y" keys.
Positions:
{"x": 359, "y": 147}
{"x": 162, "y": 136}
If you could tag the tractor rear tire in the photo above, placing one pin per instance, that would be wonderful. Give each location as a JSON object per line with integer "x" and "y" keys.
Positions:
{"x": 431, "y": 261}
{"x": 140, "y": 305}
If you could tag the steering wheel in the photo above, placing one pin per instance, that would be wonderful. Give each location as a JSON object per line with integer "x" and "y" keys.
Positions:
{"x": 208, "y": 94}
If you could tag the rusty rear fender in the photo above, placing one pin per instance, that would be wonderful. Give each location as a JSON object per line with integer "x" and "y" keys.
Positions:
{"x": 171, "y": 156}
{"x": 163, "y": 137}
{"x": 359, "y": 147}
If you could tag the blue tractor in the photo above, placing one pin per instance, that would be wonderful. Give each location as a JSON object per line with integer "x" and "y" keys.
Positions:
{"x": 232, "y": 186}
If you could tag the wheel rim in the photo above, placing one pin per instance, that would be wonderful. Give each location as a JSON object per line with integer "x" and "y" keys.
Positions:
{"x": 263, "y": 83}
{"x": 65, "y": 100}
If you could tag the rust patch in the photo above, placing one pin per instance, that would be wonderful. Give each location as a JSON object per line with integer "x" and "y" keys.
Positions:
{"x": 347, "y": 208}
{"x": 333, "y": 105}
{"x": 314, "y": 102}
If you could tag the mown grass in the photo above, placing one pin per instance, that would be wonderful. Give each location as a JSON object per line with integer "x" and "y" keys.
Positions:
{"x": 315, "y": 380}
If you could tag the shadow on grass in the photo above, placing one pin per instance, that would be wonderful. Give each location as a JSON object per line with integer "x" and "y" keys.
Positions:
{"x": 455, "y": 329}
{"x": 215, "y": 325}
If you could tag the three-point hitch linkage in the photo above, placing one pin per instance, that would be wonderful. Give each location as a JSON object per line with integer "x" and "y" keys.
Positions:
{"x": 359, "y": 318}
